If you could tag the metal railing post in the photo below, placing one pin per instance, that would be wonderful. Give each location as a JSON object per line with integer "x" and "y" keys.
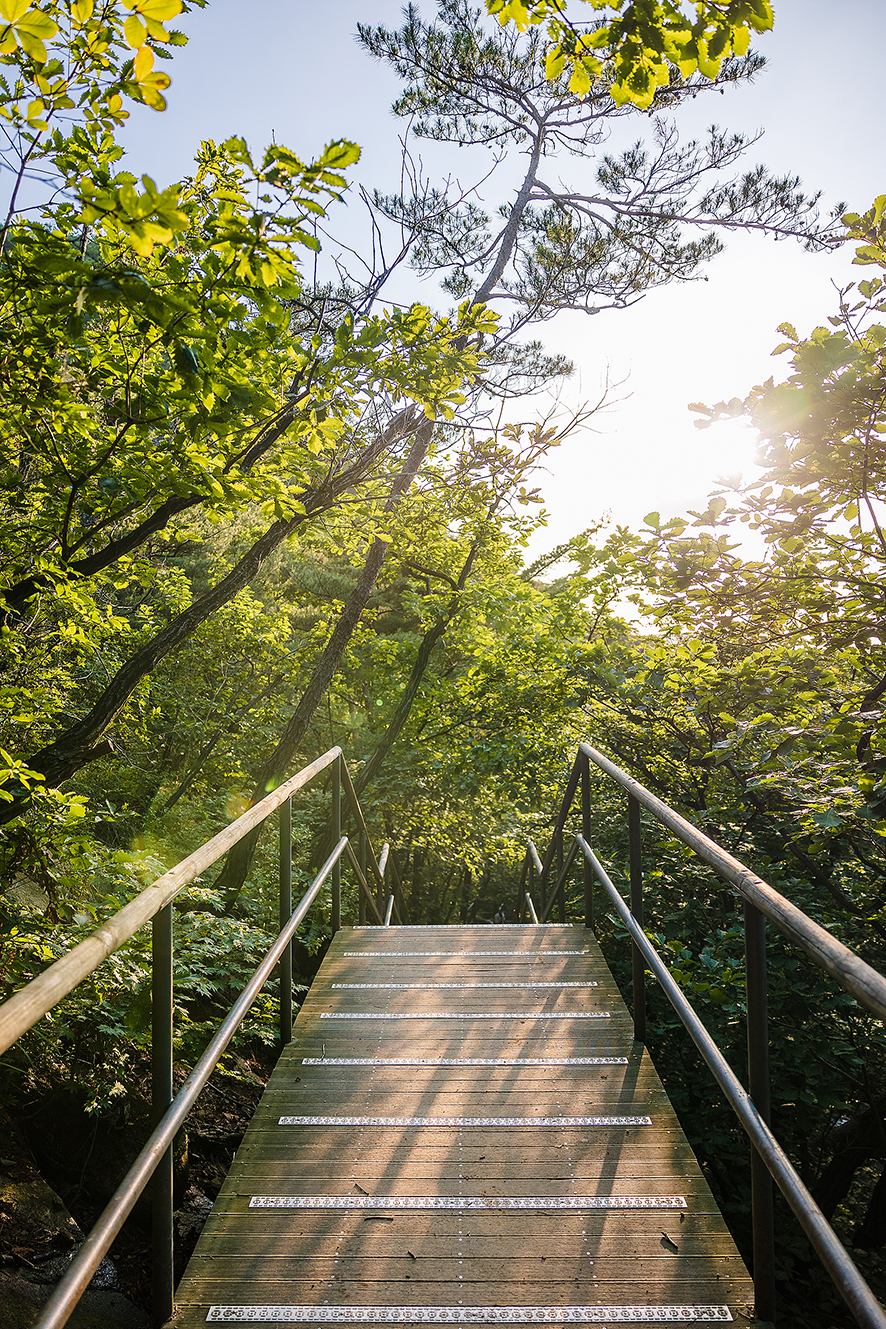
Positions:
{"x": 336, "y": 835}
{"x": 285, "y": 914}
{"x": 762, "y": 1202}
{"x": 521, "y": 889}
{"x": 638, "y": 964}
{"x": 561, "y": 893}
{"x": 361, "y": 903}
{"x": 380, "y": 889}
{"x": 587, "y": 871}
{"x": 161, "y": 1097}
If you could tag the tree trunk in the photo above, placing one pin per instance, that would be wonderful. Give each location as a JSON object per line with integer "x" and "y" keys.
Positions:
{"x": 239, "y": 860}
{"x": 371, "y": 767}
{"x": 17, "y": 596}
{"x": 861, "y": 1139}
{"x": 870, "y": 1233}
{"x": 81, "y": 743}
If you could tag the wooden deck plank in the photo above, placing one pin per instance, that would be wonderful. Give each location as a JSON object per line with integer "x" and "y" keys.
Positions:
{"x": 374, "y": 1253}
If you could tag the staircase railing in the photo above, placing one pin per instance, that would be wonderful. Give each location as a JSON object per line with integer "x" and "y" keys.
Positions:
{"x": 154, "y": 905}
{"x": 760, "y": 902}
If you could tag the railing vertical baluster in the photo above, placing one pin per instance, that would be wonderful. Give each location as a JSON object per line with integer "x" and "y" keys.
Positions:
{"x": 637, "y": 963}
{"x": 285, "y": 915}
{"x": 336, "y": 835}
{"x": 381, "y": 890}
{"x": 161, "y": 1097}
{"x": 587, "y": 871}
{"x": 361, "y": 904}
{"x": 561, "y": 893}
{"x": 762, "y": 1209}
{"x": 530, "y": 881}
{"x": 521, "y": 889}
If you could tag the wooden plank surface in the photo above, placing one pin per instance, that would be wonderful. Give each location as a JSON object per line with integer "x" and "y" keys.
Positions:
{"x": 615, "y": 1222}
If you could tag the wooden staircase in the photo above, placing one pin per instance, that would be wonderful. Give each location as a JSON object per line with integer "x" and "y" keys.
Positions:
{"x": 463, "y": 1131}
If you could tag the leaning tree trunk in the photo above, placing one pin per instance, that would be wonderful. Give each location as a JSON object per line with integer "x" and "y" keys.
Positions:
{"x": 239, "y": 860}
{"x": 16, "y": 597}
{"x": 85, "y": 740}
{"x": 373, "y": 765}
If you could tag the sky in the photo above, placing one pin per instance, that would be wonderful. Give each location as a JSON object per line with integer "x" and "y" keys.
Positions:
{"x": 290, "y": 69}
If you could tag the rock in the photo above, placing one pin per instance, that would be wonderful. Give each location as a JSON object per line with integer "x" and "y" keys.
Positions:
{"x": 51, "y": 1271}
{"x": 34, "y": 1207}
{"x": 38, "y": 1240}
{"x": 20, "y": 1300}
{"x": 28, "y": 894}
{"x": 191, "y": 1217}
{"x": 90, "y": 1153}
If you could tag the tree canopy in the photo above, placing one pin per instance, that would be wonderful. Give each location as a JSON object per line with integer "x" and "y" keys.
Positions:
{"x": 251, "y": 509}
{"x": 638, "y": 45}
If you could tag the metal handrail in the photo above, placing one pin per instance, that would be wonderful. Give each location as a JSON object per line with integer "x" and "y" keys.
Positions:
{"x": 361, "y": 879}
{"x": 154, "y": 904}
{"x": 850, "y": 971}
{"x": 833, "y": 1255}
{"x": 38, "y": 997}
{"x": 536, "y": 861}
{"x": 71, "y": 1287}
{"x": 378, "y": 871}
{"x": 761, "y": 901}
{"x": 560, "y": 882}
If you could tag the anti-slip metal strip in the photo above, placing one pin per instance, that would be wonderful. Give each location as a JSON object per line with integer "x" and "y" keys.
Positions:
{"x": 532, "y": 955}
{"x": 466, "y": 1314}
{"x": 464, "y": 1061}
{"x": 434, "y": 987}
{"x": 437, "y": 927}
{"x": 464, "y": 1015}
{"x": 493, "y": 1202}
{"x": 464, "y": 1121}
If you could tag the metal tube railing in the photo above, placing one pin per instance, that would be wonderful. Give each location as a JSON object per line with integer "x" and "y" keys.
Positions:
{"x": 72, "y": 1286}
{"x": 638, "y": 969}
{"x": 830, "y": 1250}
{"x": 362, "y": 883}
{"x": 849, "y": 970}
{"x": 587, "y": 873}
{"x": 154, "y": 904}
{"x": 23, "y": 1010}
{"x": 375, "y": 865}
{"x": 521, "y": 886}
{"x": 400, "y": 907}
{"x": 557, "y": 892}
{"x": 162, "y": 997}
{"x": 760, "y": 902}
{"x": 335, "y": 921}
{"x": 531, "y": 907}
{"x": 762, "y": 1198}
{"x": 361, "y": 904}
{"x": 285, "y": 815}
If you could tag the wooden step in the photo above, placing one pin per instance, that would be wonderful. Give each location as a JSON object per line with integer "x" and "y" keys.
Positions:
{"x": 463, "y": 1131}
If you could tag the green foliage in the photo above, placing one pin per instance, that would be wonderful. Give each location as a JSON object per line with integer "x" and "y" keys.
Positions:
{"x": 586, "y": 228}
{"x": 637, "y": 46}
{"x": 69, "y": 68}
{"x": 175, "y": 392}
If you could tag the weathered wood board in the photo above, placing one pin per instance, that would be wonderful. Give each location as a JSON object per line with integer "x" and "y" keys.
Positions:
{"x": 463, "y": 1131}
